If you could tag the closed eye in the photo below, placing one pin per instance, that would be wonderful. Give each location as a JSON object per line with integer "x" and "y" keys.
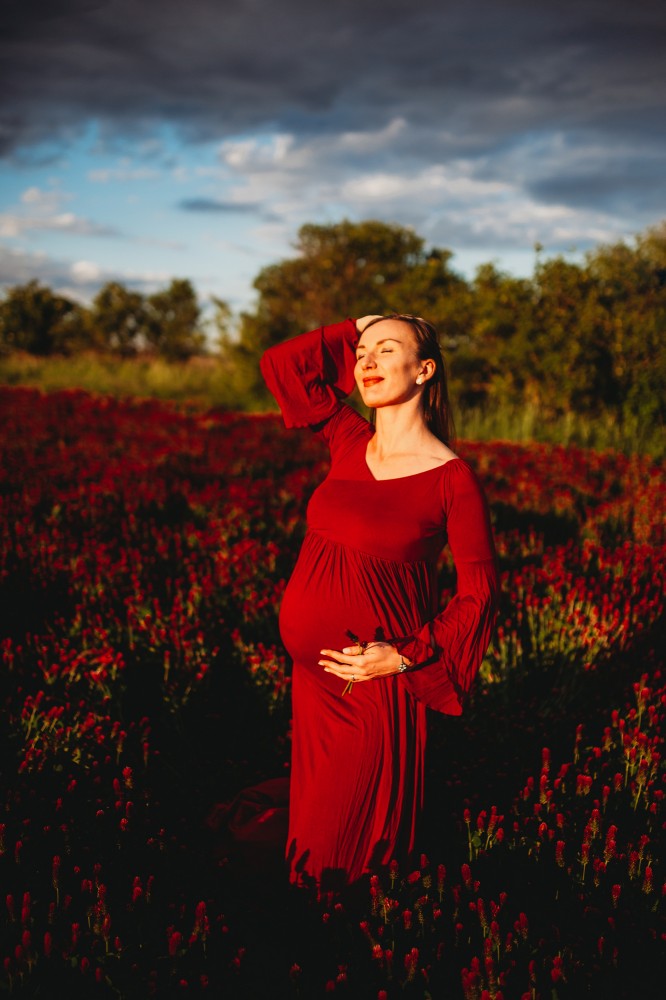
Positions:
{"x": 384, "y": 350}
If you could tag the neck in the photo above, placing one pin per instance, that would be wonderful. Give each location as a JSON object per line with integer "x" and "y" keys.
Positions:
{"x": 399, "y": 428}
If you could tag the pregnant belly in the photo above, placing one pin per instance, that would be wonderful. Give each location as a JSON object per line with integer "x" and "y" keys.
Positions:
{"x": 336, "y": 592}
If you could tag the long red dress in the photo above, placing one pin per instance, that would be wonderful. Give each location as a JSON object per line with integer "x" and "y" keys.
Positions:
{"x": 367, "y": 568}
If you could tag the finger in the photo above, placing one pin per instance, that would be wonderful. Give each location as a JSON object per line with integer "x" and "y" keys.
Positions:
{"x": 338, "y": 673}
{"x": 340, "y": 656}
{"x": 330, "y": 664}
{"x": 334, "y": 668}
{"x": 345, "y": 670}
{"x": 346, "y": 673}
{"x": 353, "y": 650}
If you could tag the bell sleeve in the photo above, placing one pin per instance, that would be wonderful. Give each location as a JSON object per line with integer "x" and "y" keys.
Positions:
{"x": 447, "y": 651}
{"x": 310, "y": 374}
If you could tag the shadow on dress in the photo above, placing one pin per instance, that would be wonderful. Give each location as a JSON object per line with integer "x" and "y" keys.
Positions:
{"x": 254, "y": 826}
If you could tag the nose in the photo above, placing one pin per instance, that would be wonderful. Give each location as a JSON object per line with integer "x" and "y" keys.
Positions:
{"x": 368, "y": 361}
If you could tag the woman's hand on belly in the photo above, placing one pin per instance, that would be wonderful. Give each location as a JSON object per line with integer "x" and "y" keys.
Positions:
{"x": 363, "y": 662}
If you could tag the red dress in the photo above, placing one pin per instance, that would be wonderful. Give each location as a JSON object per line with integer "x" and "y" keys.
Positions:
{"x": 367, "y": 568}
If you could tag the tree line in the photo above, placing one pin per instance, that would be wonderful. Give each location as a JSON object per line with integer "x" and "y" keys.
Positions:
{"x": 583, "y": 337}
{"x": 35, "y": 319}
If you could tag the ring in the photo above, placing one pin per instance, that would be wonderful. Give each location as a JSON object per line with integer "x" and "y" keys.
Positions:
{"x": 353, "y": 679}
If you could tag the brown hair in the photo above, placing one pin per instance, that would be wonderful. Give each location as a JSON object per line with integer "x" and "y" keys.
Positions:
{"x": 435, "y": 398}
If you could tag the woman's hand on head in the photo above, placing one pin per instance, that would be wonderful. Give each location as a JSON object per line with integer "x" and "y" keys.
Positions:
{"x": 377, "y": 659}
{"x": 364, "y": 320}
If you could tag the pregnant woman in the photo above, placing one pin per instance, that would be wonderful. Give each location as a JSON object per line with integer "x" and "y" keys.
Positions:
{"x": 360, "y": 616}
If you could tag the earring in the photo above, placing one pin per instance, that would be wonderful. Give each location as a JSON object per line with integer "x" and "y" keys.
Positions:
{"x": 419, "y": 380}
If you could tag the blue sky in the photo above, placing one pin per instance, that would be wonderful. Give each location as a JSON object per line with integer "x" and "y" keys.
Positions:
{"x": 146, "y": 140}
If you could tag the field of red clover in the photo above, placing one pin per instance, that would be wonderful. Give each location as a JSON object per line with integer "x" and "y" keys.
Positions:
{"x": 144, "y": 551}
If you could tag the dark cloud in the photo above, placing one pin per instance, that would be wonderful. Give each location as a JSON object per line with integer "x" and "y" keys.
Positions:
{"x": 476, "y": 79}
{"x": 637, "y": 189}
{"x": 593, "y": 169}
{"x": 483, "y": 68}
{"x": 216, "y": 205}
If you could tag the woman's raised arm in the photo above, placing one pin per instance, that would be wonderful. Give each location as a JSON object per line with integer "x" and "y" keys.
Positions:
{"x": 310, "y": 374}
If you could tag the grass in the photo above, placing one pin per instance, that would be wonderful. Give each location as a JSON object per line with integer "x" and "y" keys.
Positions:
{"x": 604, "y": 432}
{"x": 210, "y": 382}
{"x": 204, "y": 380}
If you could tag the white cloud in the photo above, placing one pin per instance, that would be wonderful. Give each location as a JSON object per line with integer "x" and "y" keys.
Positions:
{"x": 41, "y": 211}
{"x": 122, "y": 175}
{"x": 10, "y": 226}
{"x": 79, "y": 279}
{"x": 18, "y": 267}
{"x": 14, "y": 225}
{"x": 257, "y": 153}
{"x": 428, "y": 184}
{"x": 457, "y": 202}
{"x": 35, "y": 196}
{"x": 85, "y": 271}
{"x": 379, "y": 140}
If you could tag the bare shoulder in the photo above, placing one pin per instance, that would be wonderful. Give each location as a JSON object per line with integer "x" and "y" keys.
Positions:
{"x": 436, "y": 456}
{"x": 441, "y": 452}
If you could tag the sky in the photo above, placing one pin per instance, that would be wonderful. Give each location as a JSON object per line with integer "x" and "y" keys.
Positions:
{"x": 142, "y": 140}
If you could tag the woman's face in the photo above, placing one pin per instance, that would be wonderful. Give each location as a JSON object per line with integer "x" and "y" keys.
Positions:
{"x": 387, "y": 364}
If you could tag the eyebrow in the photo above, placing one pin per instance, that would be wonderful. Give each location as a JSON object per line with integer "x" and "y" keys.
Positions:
{"x": 383, "y": 341}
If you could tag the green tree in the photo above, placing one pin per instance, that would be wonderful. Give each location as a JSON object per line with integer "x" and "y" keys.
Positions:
{"x": 346, "y": 269}
{"x": 630, "y": 314}
{"x": 222, "y": 322}
{"x": 485, "y": 366}
{"x": 172, "y": 326}
{"x": 120, "y": 318}
{"x": 74, "y": 332}
{"x": 585, "y": 338}
{"x": 565, "y": 360}
{"x": 34, "y": 319}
